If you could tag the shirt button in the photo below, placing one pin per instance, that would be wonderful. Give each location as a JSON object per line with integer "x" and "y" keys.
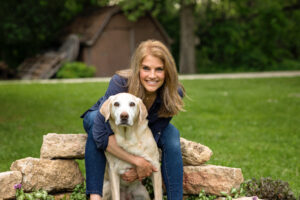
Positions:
{"x": 158, "y": 133}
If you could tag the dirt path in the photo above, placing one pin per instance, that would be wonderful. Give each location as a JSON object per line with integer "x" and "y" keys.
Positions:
{"x": 181, "y": 77}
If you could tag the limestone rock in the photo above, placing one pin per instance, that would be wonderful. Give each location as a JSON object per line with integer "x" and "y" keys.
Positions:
{"x": 63, "y": 146}
{"x": 213, "y": 179}
{"x": 194, "y": 153}
{"x": 7, "y": 182}
{"x": 73, "y": 146}
{"x": 50, "y": 175}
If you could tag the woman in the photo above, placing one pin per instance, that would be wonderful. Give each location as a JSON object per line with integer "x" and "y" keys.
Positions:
{"x": 152, "y": 77}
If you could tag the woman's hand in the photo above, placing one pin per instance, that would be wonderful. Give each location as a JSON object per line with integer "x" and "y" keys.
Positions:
{"x": 130, "y": 175}
{"x": 144, "y": 168}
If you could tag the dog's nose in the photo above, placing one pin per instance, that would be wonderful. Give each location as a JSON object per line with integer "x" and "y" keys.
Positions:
{"x": 124, "y": 116}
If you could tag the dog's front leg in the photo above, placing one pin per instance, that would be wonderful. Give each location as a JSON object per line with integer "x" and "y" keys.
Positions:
{"x": 157, "y": 185}
{"x": 114, "y": 179}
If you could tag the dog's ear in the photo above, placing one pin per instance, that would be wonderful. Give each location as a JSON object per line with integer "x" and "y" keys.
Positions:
{"x": 143, "y": 111}
{"x": 105, "y": 109}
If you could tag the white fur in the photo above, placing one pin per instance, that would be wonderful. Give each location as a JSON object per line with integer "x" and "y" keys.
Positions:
{"x": 134, "y": 136}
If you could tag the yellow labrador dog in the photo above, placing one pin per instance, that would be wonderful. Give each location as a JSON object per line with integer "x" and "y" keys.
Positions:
{"x": 127, "y": 117}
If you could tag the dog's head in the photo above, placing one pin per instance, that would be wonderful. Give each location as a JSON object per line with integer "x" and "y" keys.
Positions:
{"x": 124, "y": 109}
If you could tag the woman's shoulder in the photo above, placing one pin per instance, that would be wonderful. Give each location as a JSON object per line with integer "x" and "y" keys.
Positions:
{"x": 116, "y": 78}
{"x": 117, "y": 84}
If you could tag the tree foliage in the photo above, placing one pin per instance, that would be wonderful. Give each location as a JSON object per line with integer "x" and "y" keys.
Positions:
{"x": 248, "y": 35}
{"x": 27, "y": 27}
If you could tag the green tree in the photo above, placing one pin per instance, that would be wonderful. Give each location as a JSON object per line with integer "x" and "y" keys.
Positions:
{"x": 27, "y": 27}
{"x": 248, "y": 35}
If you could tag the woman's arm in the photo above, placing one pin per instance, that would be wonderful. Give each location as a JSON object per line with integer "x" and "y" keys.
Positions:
{"x": 143, "y": 167}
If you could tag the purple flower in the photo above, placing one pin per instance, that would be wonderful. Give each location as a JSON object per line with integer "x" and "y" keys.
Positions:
{"x": 254, "y": 198}
{"x": 18, "y": 186}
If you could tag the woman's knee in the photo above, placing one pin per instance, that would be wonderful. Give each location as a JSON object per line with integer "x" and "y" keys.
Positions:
{"x": 170, "y": 138}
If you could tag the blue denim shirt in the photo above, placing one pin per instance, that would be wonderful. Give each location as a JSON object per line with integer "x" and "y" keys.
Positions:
{"x": 102, "y": 129}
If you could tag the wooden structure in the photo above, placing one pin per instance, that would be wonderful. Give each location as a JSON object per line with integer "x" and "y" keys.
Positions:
{"x": 44, "y": 66}
{"x": 103, "y": 38}
{"x": 108, "y": 38}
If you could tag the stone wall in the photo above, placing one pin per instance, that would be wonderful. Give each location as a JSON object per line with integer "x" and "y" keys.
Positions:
{"x": 56, "y": 171}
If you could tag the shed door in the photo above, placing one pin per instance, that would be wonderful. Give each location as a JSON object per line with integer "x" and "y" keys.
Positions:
{"x": 111, "y": 52}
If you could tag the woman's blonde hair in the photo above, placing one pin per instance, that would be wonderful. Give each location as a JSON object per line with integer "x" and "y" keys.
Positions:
{"x": 171, "y": 101}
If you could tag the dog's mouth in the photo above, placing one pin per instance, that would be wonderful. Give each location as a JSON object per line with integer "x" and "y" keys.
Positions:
{"x": 124, "y": 122}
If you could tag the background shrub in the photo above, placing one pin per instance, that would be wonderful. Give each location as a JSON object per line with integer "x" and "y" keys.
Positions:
{"x": 76, "y": 70}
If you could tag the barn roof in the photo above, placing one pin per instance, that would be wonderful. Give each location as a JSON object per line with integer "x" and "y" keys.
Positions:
{"x": 90, "y": 26}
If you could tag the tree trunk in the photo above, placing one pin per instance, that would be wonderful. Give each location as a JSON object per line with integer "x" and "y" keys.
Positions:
{"x": 187, "y": 40}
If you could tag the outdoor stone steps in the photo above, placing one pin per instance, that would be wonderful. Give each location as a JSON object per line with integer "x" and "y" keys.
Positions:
{"x": 56, "y": 170}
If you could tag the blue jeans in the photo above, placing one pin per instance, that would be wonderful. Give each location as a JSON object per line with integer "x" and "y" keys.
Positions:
{"x": 172, "y": 166}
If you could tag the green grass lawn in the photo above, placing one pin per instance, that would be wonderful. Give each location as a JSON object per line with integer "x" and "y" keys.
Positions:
{"x": 253, "y": 124}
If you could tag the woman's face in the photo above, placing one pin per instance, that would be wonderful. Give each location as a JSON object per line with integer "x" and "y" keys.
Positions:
{"x": 152, "y": 73}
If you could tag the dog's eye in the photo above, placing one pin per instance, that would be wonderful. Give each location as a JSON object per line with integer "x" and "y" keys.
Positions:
{"x": 132, "y": 104}
{"x": 116, "y": 104}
